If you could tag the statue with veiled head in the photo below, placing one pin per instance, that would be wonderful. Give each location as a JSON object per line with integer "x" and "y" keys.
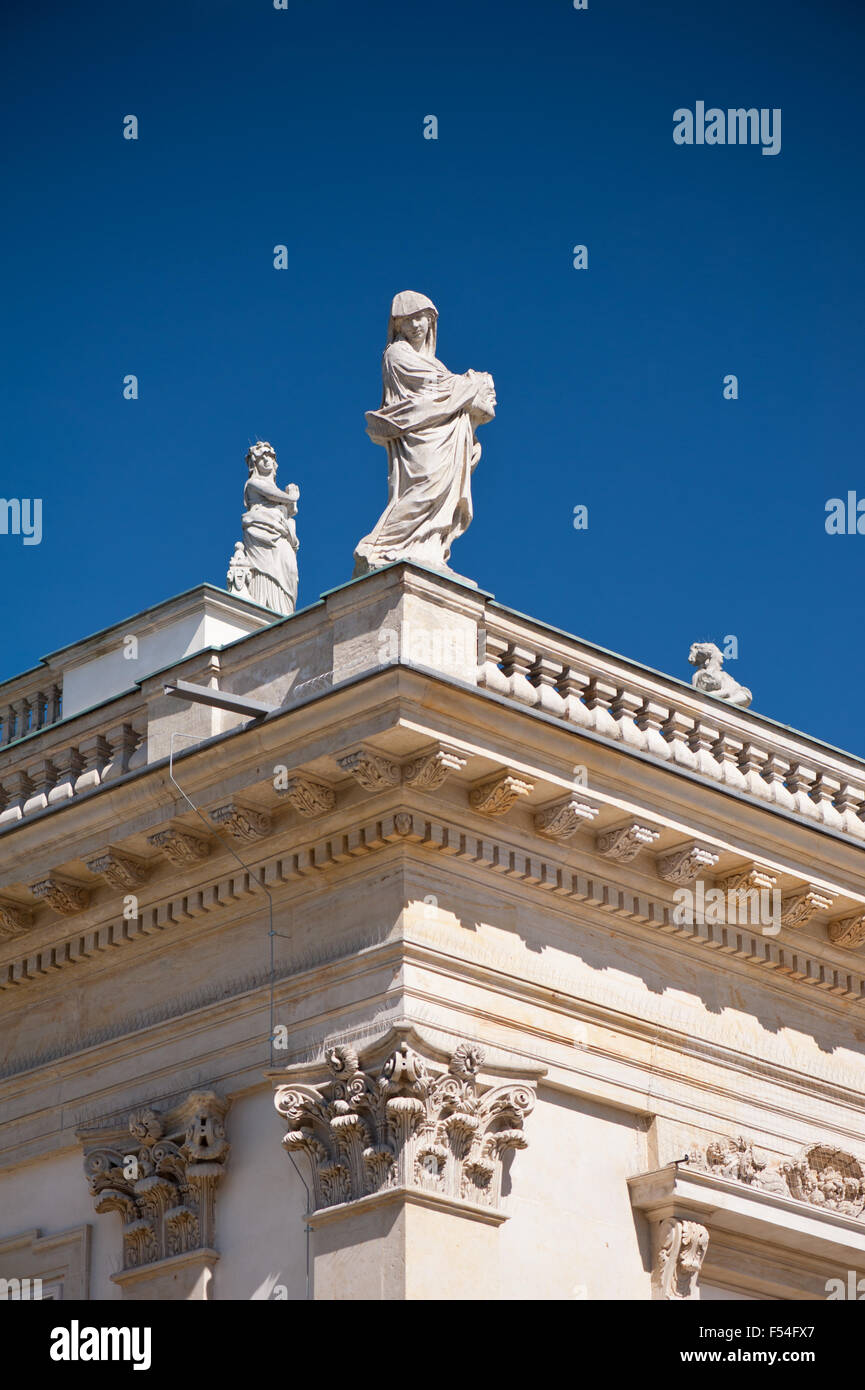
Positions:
{"x": 427, "y": 422}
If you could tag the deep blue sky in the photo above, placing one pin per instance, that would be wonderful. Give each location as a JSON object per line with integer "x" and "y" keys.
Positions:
{"x": 304, "y": 127}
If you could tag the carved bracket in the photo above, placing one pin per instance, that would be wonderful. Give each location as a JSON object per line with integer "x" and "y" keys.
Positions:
{"x": 625, "y": 842}
{"x": 682, "y": 865}
{"x": 309, "y": 797}
{"x": 121, "y": 870}
{"x": 242, "y": 822}
{"x": 63, "y": 894}
{"x": 179, "y": 846}
{"x": 496, "y": 795}
{"x": 563, "y": 819}
{"x": 679, "y": 1250}
{"x": 372, "y": 770}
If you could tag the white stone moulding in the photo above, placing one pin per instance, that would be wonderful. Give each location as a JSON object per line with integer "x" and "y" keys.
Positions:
{"x": 800, "y": 965}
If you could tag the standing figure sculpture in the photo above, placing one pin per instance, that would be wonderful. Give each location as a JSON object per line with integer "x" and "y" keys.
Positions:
{"x": 263, "y": 567}
{"x": 427, "y": 422}
{"x": 712, "y": 679}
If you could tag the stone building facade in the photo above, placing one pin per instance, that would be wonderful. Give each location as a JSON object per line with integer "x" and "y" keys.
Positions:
{"x": 474, "y": 961}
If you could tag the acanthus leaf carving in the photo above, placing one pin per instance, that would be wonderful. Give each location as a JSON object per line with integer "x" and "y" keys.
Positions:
{"x": 14, "y": 918}
{"x": 308, "y": 796}
{"x": 495, "y": 795}
{"x": 680, "y": 1248}
{"x": 242, "y": 822}
{"x": 682, "y": 865}
{"x": 564, "y": 818}
{"x": 625, "y": 842}
{"x": 179, "y": 846}
{"x": 429, "y": 769}
{"x": 64, "y": 895}
{"x": 848, "y": 931}
{"x": 405, "y": 1124}
{"x": 122, "y": 870}
{"x": 800, "y": 905}
{"x": 160, "y": 1173}
{"x": 372, "y": 770}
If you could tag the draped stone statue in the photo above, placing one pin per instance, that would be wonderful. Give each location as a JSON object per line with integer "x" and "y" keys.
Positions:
{"x": 263, "y": 567}
{"x": 427, "y": 422}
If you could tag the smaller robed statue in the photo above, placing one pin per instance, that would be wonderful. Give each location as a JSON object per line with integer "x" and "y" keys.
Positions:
{"x": 427, "y": 421}
{"x": 263, "y": 567}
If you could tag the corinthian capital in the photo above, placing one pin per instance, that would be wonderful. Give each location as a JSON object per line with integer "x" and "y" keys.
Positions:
{"x": 406, "y": 1123}
{"x": 160, "y": 1171}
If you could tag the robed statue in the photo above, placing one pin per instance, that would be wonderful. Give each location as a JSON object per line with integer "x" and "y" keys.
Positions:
{"x": 427, "y": 421}
{"x": 263, "y": 567}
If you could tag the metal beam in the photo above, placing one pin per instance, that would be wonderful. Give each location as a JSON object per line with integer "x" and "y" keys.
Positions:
{"x": 207, "y": 695}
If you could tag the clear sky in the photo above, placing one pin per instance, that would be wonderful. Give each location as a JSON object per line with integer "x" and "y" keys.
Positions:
{"x": 304, "y": 127}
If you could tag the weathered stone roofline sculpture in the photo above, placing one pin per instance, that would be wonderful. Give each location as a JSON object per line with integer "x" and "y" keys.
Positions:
{"x": 711, "y": 679}
{"x": 427, "y": 421}
{"x": 263, "y": 567}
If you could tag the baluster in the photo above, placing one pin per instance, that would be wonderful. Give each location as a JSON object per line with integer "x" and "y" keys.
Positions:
{"x": 572, "y": 683}
{"x": 677, "y": 731}
{"x": 751, "y": 761}
{"x": 18, "y": 787}
{"x": 624, "y": 709}
{"x": 94, "y": 752}
{"x": 702, "y": 741}
{"x": 825, "y": 790}
{"x": 776, "y": 771}
{"x": 799, "y": 779}
{"x": 490, "y": 676}
{"x": 598, "y": 697}
{"x": 69, "y": 764}
{"x": 41, "y": 710}
{"x": 849, "y": 802}
{"x": 544, "y": 676}
{"x": 123, "y": 740}
{"x": 43, "y": 775}
{"x": 516, "y": 664}
{"x": 728, "y": 751}
{"x": 650, "y": 718}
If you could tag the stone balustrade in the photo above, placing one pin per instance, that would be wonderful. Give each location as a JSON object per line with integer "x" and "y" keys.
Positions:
{"x": 61, "y": 760}
{"x": 664, "y": 719}
{"x": 342, "y": 638}
{"x": 26, "y": 707}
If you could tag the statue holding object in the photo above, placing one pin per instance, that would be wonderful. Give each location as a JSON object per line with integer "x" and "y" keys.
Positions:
{"x": 263, "y": 567}
{"x": 427, "y": 422}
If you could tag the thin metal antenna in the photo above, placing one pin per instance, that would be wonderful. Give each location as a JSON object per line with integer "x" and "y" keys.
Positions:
{"x": 308, "y": 1207}
{"x": 246, "y": 867}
